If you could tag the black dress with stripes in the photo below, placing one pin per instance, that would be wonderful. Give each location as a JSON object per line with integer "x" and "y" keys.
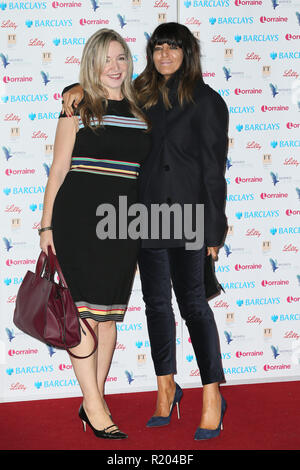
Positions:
{"x": 105, "y": 165}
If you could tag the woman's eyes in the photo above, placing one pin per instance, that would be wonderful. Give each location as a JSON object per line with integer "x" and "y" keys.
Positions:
{"x": 122, "y": 58}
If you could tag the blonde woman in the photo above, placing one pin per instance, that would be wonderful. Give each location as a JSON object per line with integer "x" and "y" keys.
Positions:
{"x": 97, "y": 158}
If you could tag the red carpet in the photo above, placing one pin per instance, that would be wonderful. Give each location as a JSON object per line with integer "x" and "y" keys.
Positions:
{"x": 258, "y": 417}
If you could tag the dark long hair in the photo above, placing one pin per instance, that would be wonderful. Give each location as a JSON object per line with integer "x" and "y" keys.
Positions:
{"x": 150, "y": 82}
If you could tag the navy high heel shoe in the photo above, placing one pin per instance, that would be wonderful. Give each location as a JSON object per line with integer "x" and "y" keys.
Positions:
{"x": 201, "y": 433}
{"x": 157, "y": 421}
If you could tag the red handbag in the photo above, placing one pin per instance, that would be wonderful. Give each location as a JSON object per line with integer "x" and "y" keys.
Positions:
{"x": 45, "y": 308}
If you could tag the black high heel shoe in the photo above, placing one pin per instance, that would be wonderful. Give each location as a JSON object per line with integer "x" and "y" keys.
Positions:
{"x": 103, "y": 433}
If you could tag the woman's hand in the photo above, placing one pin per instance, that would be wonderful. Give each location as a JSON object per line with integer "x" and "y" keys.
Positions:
{"x": 213, "y": 251}
{"x": 72, "y": 97}
{"x": 46, "y": 239}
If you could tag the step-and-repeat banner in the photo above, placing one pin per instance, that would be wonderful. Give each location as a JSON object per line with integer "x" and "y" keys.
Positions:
{"x": 250, "y": 56}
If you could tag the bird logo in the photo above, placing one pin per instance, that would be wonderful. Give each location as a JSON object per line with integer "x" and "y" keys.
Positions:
{"x": 7, "y": 243}
{"x": 275, "y": 351}
{"x": 274, "y": 90}
{"x": 7, "y": 153}
{"x": 129, "y": 376}
{"x": 121, "y": 20}
{"x": 4, "y": 59}
{"x": 274, "y": 177}
{"x": 45, "y": 77}
{"x": 273, "y": 264}
{"x": 10, "y": 334}
{"x": 228, "y": 336}
{"x": 227, "y": 73}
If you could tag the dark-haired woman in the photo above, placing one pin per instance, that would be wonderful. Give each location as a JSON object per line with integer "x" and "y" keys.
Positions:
{"x": 185, "y": 166}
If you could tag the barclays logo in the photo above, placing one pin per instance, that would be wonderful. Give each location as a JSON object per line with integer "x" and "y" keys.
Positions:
{"x": 75, "y": 41}
{"x": 207, "y": 3}
{"x": 25, "y": 5}
{"x": 288, "y": 55}
{"x": 31, "y": 98}
{"x": 286, "y": 317}
{"x": 285, "y": 230}
{"x": 49, "y": 23}
{"x": 240, "y": 197}
{"x": 257, "y": 214}
{"x": 258, "y": 301}
{"x": 272, "y": 126}
{"x": 231, "y": 20}
{"x": 42, "y": 116}
{"x": 241, "y": 109}
{"x": 257, "y": 38}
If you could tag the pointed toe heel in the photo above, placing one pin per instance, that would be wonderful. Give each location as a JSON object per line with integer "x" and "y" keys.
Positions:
{"x": 158, "y": 421}
{"x": 101, "y": 433}
{"x": 202, "y": 434}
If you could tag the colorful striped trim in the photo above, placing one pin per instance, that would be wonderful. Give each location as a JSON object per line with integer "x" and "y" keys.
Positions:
{"x": 118, "y": 121}
{"x": 106, "y": 167}
{"x": 101, "y": 312}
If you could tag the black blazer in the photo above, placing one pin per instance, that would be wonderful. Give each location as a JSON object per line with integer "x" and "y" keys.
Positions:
{"x": 187, "y": 160}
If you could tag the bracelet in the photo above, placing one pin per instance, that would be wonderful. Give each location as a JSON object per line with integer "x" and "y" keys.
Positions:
{"x": 40, "y": 230}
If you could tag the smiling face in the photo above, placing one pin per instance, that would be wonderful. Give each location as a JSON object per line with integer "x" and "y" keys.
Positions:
{"x": 167, "y": 59}
{"x": 115, "y": 70}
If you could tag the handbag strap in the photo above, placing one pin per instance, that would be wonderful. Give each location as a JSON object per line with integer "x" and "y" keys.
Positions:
{"x": 94, "y": 338}
{"x": 54, "y": 266}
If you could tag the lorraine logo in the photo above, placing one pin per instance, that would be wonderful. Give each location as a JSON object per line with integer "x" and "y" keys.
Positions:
{"x": 129, "y": 376}
{"x": 94, "y": 4}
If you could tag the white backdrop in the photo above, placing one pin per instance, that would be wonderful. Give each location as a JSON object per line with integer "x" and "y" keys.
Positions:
{"x": 250, "y": 55}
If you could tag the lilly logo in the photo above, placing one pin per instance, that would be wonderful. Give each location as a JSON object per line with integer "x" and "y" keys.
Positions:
{"x": 274, "y": 144}
{"x": 239, "y": 127}
{"x": 239, "y": 302}
{"x": 239, "y": 215}
{"x": 238, "y": 38}
{"x": 273, "y": 55}
{"x": 32, "y": 116}
{"x": 212, "y": 20}
{"x": 28, "y": 23}
{"x": 273, "y": 230}
{"x": 56, "y": 41}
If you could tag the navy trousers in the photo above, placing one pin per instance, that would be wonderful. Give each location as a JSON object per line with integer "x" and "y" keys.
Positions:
{"x": 160, "y": 269}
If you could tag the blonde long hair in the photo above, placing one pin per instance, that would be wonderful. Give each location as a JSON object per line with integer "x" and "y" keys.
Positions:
{"x": 92, "y": 64}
